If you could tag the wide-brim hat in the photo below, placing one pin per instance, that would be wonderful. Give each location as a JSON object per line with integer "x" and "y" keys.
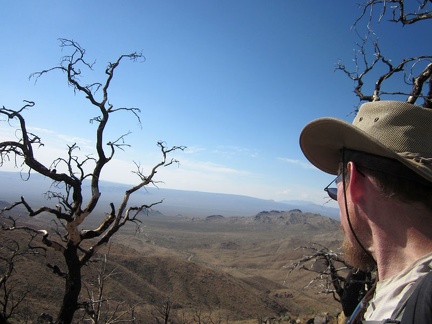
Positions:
{"x": 391, "y": 129}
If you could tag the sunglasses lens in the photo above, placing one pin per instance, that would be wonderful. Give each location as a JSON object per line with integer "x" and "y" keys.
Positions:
{"x": 332, "y": 192}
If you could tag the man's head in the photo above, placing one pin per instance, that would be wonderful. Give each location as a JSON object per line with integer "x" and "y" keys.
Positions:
{"x": 389, "y": 142}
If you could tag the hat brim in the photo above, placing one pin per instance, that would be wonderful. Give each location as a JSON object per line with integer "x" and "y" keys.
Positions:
{"x": 323, "y": 139}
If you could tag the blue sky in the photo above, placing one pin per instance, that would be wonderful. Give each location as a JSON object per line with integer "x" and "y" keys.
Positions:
{"x": 234, "y": 81}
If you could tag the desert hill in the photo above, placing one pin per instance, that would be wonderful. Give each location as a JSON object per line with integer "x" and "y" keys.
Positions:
{"x": 251, "y": 250}
{"x": 227, "y": 269}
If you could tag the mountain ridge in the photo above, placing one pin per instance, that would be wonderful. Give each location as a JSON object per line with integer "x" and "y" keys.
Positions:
{"x": 175, "y": 202}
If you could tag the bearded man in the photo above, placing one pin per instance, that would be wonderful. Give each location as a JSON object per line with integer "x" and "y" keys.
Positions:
{"x": 383, "y": 163}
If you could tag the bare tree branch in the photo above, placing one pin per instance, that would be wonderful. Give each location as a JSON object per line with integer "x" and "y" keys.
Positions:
{"x": 373, "y": 67}
{"x": 333, "y": 275}
{"x": 400, "y": 13}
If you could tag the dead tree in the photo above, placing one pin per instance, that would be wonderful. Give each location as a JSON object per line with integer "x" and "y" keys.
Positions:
{"x": 376, "y": 74}
{"x": 163, "y": 312}
{"x": 12, "y": 251}
{"x": 68, "y": 174}
{"x": 100, "y": 308}
{"x": 334, "y": 276}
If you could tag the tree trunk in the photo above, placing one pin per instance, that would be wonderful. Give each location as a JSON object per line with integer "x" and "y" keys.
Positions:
{"x": 73, "y": 285}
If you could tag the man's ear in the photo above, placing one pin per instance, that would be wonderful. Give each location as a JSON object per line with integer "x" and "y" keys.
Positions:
{"x": 356, "y": 183}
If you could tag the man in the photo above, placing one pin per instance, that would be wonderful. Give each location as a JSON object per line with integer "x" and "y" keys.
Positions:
{"x": 383, "y": 163}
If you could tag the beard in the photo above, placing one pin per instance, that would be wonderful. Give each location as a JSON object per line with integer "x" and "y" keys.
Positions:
{"x": 355, "y": 256}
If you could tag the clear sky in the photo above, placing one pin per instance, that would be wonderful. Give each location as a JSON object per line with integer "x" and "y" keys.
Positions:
{"x": 234, "y": 81}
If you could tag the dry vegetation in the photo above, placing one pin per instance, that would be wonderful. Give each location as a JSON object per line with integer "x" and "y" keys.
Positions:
{"x": 214, "y": 269}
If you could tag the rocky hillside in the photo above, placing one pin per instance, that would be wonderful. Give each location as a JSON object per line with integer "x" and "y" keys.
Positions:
{"x": 282, "y": 218}
{"x": 227, "y": 269}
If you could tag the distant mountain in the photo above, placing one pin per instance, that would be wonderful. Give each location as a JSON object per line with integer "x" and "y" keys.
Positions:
{"x": 175, "y": 202}
{"x": 304, "y": 222}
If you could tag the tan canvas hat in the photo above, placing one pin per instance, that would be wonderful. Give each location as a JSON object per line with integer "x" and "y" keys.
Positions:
{"x": 391, "y": 129}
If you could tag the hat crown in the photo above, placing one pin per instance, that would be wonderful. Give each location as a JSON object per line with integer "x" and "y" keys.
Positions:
{"x": 400, "y": 126}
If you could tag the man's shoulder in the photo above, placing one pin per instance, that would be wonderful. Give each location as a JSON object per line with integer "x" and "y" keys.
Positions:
{"x": 419, "y": 306}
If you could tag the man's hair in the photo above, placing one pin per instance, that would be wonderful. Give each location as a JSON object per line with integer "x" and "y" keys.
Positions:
{"x": 394, "y": 179}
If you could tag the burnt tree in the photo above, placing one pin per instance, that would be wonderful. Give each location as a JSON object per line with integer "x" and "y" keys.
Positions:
{"x": 334, "y": 275}
{"x": 377, "y": 73}
{"x": 69, "y": 172}
{"x": 12, "y": 251}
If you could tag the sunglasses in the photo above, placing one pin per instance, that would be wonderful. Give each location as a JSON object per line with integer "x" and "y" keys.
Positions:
{"x": 332, "y": 191}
